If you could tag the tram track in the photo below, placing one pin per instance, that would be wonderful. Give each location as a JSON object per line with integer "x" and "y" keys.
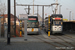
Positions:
{"x": 61, "y": 43}
{"x": 55, "y": 42}
{"x": 65, "y": 41}
{"x": 44, "y": 41}
{"x": 69, "y": 38}
{"x": 51, "y": 43}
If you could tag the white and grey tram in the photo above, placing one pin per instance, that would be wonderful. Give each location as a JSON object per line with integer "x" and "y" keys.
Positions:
{"x": 56, "y": 23}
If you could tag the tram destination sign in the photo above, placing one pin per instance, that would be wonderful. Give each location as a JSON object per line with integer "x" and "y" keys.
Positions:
{"x": 31, "y": 18}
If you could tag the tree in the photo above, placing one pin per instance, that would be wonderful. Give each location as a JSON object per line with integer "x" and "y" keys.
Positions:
{"x": 2, "y": 8}
{"x": 2, "y": 11}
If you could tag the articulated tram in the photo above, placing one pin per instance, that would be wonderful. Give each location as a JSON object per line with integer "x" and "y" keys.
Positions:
{"x": 32, "y": 25}
{"x": 56, "y": 23}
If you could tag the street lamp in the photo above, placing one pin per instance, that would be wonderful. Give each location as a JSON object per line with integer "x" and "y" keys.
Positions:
{"x": 70, "y": 17}
{"x": 70, "y": 13}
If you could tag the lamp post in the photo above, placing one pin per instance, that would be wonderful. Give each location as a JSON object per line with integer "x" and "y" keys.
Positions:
{"x": 70, "y": 17}
{"x": 70, "y": 14}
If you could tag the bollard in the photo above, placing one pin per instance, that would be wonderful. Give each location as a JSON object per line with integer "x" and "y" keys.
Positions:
{"x": 20, "y": 28}
{"x": 5, "y": 29}
{"x": 49, "y": 25}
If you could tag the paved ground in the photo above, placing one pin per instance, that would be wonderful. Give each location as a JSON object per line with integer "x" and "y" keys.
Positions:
{"x": 34, "y": 46}
{"x": 40, "y": 42}
{"x": 26, "y": 46}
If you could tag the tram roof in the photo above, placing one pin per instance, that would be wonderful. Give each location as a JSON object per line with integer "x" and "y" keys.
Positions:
{"x": 55, "y": 15}
{"x": 32, "y": 16}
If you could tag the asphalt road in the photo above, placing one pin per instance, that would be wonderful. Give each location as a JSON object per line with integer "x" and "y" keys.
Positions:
{"x": 40, "y": 42}
{"x": 26, "y": 46}
{"x": 33, "y": 46}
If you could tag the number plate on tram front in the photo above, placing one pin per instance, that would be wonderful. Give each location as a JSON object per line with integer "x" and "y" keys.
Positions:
{"x": 32, "y": 29}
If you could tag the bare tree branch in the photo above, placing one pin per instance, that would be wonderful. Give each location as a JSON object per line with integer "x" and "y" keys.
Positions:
{"x": 2, "y": 8}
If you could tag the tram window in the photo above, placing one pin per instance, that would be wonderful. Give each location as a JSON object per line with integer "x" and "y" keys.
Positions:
{"x": 57, "y": 23}
{"x": 32, "y": 24}
{"x": 61, "y": 23}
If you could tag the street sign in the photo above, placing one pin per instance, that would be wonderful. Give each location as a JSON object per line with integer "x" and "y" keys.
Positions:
{"x": 23, "y": 16}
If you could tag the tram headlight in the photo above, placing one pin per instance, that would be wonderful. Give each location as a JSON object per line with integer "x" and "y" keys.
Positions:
{"x": 59, "y": 27}
{"x": 36, "y": 29}
{"x": 28, "y": 29}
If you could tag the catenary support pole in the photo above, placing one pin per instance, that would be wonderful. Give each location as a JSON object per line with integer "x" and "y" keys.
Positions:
{"x": 37, "y": 10}
{"x": 42, "y": 16}
{"x": 8, "y": 35}
{"x": 28, "y": 10}
{"x": 15, "y": 17}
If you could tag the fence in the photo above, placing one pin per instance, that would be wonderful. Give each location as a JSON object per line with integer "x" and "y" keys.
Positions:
{"x": 67, "y": 26}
